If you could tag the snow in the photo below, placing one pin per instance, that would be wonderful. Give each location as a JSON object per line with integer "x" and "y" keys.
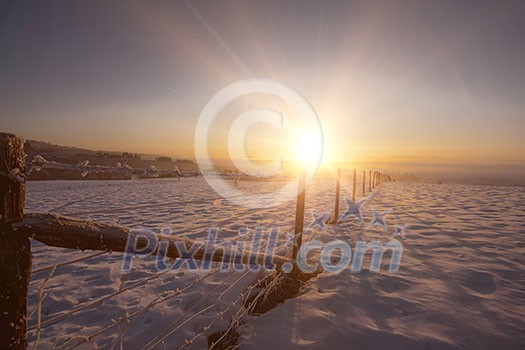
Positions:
{"x": 460, "y": 284}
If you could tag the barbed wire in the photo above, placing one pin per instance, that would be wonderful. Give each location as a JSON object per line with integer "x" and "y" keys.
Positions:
{"x": 177, "y": 324}
{"x": 144, "y": 206}
{"x": 220, "y": 315}
{"x": 84, "y": 306}
{"x": 239, "y": 314}
{"x": 55, "y": 209}
{"x": 69, "y": 262}
{"x": 157, "y": 300}
{"x": 237, "y": 318}
{"x": 58, "y": 317}
{"x": 38, "y": 163}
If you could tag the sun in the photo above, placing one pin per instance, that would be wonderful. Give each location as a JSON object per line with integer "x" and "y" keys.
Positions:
{"x": 309, "y": 150}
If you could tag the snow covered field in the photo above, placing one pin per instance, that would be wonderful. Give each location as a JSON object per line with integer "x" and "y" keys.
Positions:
{"x": 461, "y": 283}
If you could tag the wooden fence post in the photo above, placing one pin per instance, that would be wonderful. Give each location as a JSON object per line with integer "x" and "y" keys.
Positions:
{"x": 299, "y": 214}
{"x": 337, "y": 196}
{"x": 369, "y": 180}
{"x": 364, "y": 182}
{"x": 354, "y": 186}
{"x": 15, "y": 249}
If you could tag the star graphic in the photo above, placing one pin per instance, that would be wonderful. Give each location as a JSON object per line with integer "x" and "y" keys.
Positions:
{"x": 399, "y": 231}
{"x": 354, "y": 209}
{"x": 319, "y": 220}
{"x": 379, "y": 219}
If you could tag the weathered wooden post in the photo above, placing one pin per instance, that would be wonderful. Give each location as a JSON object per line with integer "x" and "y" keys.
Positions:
{"x": 299, "y": 214}
{"x": 337, "y": 195}
{"x": 364, "y": 182}
{"x": 369, "y": 180}
{"x": 374, "y": 180}
{"x": 354, "y": 186}
{"x": 15, "y": 250}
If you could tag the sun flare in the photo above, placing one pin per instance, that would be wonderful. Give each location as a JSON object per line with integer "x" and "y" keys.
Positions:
{"x": 309, "y": 150}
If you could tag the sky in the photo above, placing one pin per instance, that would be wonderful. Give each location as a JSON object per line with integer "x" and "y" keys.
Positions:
{"x": 391, "y": 81}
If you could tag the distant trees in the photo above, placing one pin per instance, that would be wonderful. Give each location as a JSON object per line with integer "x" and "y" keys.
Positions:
{"x": 118, "y": 155}
{"x": 178, "y": 160}
{"x": 130, "y": 155}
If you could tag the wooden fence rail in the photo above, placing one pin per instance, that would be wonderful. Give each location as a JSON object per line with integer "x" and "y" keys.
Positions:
{"x": 64, "y": 232}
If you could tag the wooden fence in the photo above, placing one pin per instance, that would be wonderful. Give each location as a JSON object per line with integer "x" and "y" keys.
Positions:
{"x": 16, "y": 228}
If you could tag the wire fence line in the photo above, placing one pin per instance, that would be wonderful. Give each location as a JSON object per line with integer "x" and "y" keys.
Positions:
{"x": 191, "y": 313}
{"x": 69, "y": 232}
{"x": 142, "y": 206}
{"x": 87, "y": 305}
{"x": 128, "y": 318}
{"x": 170, "y": 330}
{"x": 43, "y": 324}
{"x": 182, "y": 320}
{"x": 220, "y": 316}
{"x": 176, "y": 324}
{"x": 60, "y": 316}
{"x": 241, "y": 312}
{"x": 38, "y": 308}
{"x": 58, "y": 265}
{"x": 57, "y": 208}
{"x": 38, "y": 163}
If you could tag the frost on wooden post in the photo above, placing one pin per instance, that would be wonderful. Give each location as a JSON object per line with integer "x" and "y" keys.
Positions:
{"x": 15, "y": 253}
{"x": 12, "y": 178}
{"x": 16, "y": 175}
